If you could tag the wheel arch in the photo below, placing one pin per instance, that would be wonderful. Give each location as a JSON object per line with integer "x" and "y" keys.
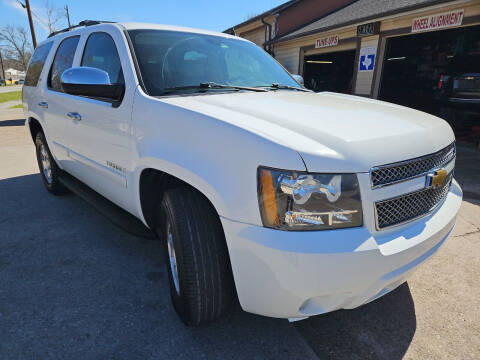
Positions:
{"x": 34, "y": 127}
{"x": 152, "y": 185}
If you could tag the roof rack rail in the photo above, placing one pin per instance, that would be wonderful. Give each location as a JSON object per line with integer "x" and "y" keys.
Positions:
{"x": 81, "y": 23}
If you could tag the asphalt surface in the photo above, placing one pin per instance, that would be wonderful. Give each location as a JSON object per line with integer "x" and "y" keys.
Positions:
{"x": 73, "y": 286}
{"x": 10, "y": 88}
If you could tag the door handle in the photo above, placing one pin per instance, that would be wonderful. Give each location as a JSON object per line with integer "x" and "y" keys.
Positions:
{"x": 74, "y": 116}
{"x": 43, "y": 104}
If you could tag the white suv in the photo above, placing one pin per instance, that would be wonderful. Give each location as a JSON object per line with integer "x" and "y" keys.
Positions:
{"x": 303, "y": 202}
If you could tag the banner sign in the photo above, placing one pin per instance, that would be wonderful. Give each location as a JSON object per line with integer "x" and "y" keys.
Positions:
{"x": 327, "y": 41}
{"x": 438, "y": 21}
{"x": 368, "y": 29}
{"x": 367, "y": 58}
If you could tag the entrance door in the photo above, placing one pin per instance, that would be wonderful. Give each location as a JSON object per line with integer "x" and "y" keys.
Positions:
{"x": 330, "y": 71}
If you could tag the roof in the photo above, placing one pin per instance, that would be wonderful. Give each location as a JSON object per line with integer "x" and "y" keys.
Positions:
{"x": 359, "y": 11}
{"x": 266, "y": 13}
{"x": 133, "y": 26}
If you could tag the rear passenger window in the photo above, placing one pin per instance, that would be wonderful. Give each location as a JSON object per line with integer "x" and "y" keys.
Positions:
{"x": 36, "y": 64}
{"x": 101, "y": 53}
{"x": 63, "y": 61}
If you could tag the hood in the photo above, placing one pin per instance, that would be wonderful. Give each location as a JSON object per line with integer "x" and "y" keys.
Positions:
{"x": 332, "y": 132}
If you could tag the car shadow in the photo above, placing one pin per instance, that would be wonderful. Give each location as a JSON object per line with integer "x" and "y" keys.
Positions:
{"x": 382, "y": 329}
{"x": 75, "y": 286}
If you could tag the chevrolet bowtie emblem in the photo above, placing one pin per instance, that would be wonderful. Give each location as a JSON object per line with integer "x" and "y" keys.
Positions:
{"x": 436, "y": 178}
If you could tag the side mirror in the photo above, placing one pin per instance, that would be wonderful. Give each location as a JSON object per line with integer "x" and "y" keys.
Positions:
{"x": 90, "y": 82}
{"x": 298, "y": 78}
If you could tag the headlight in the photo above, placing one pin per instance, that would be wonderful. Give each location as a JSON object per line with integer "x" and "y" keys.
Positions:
{"x": 292, "y": 200}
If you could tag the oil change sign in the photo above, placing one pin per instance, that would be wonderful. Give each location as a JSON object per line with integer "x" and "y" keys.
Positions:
{"x": 438, "y": 21}
{"x": 367, "y": 58}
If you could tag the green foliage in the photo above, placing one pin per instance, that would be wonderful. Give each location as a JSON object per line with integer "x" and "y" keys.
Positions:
{"x": 10, "y": 96}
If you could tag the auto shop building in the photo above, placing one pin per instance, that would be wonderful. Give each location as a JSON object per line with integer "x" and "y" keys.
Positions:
{"x": 423, "y": 54}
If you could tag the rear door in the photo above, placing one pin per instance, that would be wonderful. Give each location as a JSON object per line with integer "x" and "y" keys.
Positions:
{"x": 55, "y": 101}
{"x": 33, "y": 93}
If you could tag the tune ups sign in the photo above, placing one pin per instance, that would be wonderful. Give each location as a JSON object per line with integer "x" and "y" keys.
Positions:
{"x": 438, "y": 21}
{"x": 327, "y": 41}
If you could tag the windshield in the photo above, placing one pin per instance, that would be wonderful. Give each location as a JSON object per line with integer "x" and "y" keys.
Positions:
{"x": 170, "y": 59}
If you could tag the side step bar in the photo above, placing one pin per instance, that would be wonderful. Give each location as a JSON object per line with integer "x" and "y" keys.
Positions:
{"x": 123, "y": 219}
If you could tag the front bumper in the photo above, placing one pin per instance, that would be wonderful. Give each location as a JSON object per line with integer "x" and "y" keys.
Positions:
{"x": 297, "y": 274}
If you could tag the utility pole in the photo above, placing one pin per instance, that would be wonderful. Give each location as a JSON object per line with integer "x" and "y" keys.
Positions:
{"x": 68, "y": 16}
{"x": 30, "y": 21}
{"x": 3, "y": 69}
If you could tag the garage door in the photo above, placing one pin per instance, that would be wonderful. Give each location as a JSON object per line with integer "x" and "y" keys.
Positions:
{"x": 437, "y": 72}
{"x": 330, "y": 71}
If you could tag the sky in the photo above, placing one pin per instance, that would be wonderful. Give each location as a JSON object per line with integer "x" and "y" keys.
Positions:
{"x": 216, "y": 15}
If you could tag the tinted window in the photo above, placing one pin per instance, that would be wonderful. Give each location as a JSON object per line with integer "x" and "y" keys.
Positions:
{"x": 63, "y": 61}
{"x": 36, "y": 64}
{"x": 101, "y": 53}
{"x": 170, "y": 59}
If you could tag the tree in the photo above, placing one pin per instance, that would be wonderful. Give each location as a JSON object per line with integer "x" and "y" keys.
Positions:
{"x": 16, "y": 45}
{"x": 53, "y": 16}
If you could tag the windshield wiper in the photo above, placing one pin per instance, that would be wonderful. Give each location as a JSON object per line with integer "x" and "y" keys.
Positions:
{"x": 211, "y": 86}
{"x": 276, "y": 86}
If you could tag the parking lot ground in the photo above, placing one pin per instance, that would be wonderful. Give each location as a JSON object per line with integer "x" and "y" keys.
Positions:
{"x": 9, "y": 88}
{"x": 74, "y": 286}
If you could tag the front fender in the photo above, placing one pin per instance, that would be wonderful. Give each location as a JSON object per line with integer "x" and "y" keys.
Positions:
{"x": 215, "y": 157}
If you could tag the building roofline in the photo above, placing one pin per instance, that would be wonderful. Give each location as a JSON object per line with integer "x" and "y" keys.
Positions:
{"x": 262, "y": 15}
{"x": 286, "y": 37}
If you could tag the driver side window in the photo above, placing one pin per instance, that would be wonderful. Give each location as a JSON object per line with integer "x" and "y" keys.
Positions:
{"x": 101, "y": 53}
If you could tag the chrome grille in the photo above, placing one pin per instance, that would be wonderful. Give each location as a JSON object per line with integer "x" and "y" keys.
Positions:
{"x": 393, "y": 173}
{"x": 410, "y": 206}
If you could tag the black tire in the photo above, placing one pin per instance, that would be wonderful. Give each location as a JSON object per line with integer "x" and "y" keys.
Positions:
{"x": 52, "y": 183}
{"x": 205, "y": 282}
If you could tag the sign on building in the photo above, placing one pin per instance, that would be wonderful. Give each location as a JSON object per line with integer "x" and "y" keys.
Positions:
{"x": 367, "y": 58}
{"x": 438, "y": 21}
{"x": 368, "y": 29}
{"x": 327, "y": 41}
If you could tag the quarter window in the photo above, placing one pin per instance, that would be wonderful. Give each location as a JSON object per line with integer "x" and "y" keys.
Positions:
{"x": 36, "y": 64}
{"x": 63, "y": 61}
{"x": 101, "y": 53}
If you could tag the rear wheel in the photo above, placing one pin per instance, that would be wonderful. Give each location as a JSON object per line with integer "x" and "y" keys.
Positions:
{"x": 48, "y": 168}
{"x": 201, "y": 283}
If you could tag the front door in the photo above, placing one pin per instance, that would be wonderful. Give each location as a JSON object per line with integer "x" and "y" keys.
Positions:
{"x": 98, "y": 130}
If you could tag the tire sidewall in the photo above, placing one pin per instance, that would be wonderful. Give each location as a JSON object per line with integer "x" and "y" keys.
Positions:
{"x": 179, "y": 300}
{"x": 39, "y": 141}
{"x": 55, "y": 187}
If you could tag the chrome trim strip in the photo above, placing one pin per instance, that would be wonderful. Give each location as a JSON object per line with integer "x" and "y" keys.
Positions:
{"x": 406, "y": 162}
{"x": 461, "y": 100}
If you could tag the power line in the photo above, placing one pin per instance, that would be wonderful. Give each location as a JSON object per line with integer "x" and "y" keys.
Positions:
{"x": 42, "y": 21}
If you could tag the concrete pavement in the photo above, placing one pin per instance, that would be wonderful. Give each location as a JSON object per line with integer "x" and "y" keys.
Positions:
{"x": 74, "y": 286}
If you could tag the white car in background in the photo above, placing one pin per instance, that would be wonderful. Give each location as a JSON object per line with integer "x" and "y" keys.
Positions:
{"x": 304, "y": 203}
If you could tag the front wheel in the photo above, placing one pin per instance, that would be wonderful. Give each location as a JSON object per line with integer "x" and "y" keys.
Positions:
{"x": 201, "y": 283}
